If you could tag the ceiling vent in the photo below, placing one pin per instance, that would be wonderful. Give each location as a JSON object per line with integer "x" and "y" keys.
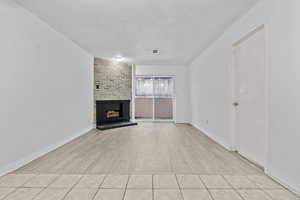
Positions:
{"x": 155, "y": 51}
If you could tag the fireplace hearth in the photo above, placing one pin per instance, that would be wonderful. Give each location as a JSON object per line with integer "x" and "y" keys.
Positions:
{"x": 113, "y": 114}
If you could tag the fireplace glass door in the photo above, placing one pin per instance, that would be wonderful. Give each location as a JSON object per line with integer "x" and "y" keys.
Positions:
{"x": 154, "y": 98}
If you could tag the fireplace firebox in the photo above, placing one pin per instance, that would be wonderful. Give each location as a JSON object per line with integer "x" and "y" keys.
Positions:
{"x": 113, "y": 114}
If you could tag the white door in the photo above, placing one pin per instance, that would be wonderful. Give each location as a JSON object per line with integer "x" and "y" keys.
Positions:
{"x": 251, "y": 97}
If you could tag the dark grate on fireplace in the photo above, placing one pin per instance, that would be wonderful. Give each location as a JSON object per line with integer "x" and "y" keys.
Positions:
{"x": 113, "y": 113}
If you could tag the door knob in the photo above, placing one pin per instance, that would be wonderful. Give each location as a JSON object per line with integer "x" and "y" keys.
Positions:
{"x": 235, "y": 104}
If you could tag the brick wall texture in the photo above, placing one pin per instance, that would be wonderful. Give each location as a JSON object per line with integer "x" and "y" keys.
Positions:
{"x": 115, "y": 80}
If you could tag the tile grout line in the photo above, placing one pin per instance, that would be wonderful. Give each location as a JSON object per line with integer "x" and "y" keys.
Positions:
{"x": 105, "y": 176}
{"x": 23, "y": 186}
{"x": 209, "y": 193}
{"x": 129, "y": 176}
{"x": 94, "y": 196}
{"x": 44, "y": 187}
{"x": 14, "y": 189}
{"x": 20, "y": 187}
{"x": 42, "y": 190}
{"x": 99, "y": 186}
{"x": 233, "y": 188}
{"x": 152, "y": 176}
{"x": 68, "y": 192}
{"x": 180, "y": 189}
{"x": 261, "y": 188}
{"x": 34, "y": 175}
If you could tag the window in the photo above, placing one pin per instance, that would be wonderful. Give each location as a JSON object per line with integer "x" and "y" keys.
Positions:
{"x": 154, "y": 87}
{"x": 154, "y": 97}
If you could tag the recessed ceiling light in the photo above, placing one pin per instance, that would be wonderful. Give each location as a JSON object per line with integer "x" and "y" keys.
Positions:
{"x": 119, "y": 58}
{"x": 155, "y": 51}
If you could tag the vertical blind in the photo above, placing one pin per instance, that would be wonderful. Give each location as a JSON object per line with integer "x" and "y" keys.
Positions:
{"x": 154, "y": 86}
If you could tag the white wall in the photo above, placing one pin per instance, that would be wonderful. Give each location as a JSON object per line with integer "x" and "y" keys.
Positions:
{"x": 210, "y": 91}
{"x": 181, "y": 86}
{"x": 45, "y": 87}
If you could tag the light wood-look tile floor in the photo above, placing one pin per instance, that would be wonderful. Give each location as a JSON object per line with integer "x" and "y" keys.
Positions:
{"x": 151, "y": 161}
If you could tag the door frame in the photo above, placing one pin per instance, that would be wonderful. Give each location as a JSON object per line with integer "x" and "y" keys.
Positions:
{"x": 232, "y": 98}
{"x": 173, "y": 102}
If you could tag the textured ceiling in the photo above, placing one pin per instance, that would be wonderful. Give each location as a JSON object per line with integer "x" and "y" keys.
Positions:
{"x": 179, "y": 29}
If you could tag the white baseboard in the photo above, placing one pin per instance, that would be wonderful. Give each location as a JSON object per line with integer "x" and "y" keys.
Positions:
{"x": 267, "y": 172}
{"x": 19, "y": 163}
{"x": 217, "y": 140}
{"x": 283, "y": 183}
{"x": 182, "y": 122}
